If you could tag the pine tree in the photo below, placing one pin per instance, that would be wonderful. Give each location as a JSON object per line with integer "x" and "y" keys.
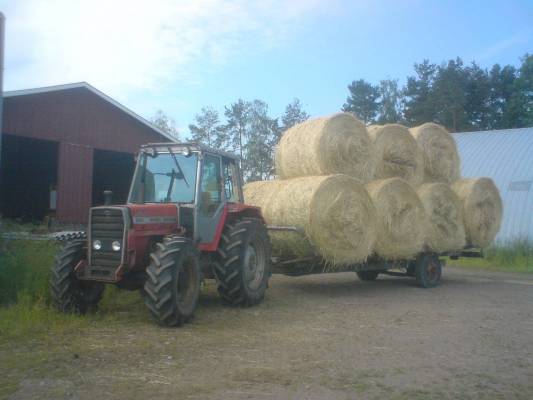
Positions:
{"x": 362, "y": 101}
{"x": 449, "y": 94}
{"x": 418, "y": 92}
{"x": 207, "y": 129}
{"x": 166, "y": 124}
{"x": 390, "y": 102}
{"x": 294, "y": 114}
{"x": 236, "y": 128}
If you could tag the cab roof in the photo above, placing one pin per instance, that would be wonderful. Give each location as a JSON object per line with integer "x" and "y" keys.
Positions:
{"x": 190, "y": 147}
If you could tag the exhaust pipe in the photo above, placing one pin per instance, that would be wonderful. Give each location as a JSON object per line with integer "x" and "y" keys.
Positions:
{"x": 108, "y": 197}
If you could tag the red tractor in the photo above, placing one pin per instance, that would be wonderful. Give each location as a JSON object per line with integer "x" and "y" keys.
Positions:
{"x": 185, "y": 220}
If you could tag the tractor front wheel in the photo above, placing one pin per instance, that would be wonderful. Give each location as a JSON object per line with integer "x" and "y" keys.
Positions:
{"x": 172, "y": 287}
{"x": 69, "y": 294}
{"x": 242, "y": 265}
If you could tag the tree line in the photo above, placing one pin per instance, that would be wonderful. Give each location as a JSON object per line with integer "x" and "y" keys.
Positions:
{"x": 247, "y": 129}
{"x": 460, "y": 97}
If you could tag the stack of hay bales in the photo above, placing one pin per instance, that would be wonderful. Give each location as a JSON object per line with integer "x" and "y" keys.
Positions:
{"x": 322, "y": 164}
{"x": 387, "y": 191}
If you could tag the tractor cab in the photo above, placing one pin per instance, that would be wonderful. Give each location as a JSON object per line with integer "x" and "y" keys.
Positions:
{"x": 199, "y": 181}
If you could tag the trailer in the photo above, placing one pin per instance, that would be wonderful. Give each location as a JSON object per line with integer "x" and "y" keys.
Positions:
{"x": 425, "y": 267}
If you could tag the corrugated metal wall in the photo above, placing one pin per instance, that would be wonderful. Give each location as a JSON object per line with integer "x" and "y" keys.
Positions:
{"x": 507, "y": 157}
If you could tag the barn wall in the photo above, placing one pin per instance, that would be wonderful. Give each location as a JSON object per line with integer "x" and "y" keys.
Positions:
{"x": 80, "y": 121}
{"x": 74, "y": 186}
{"x": 76, "y": 116}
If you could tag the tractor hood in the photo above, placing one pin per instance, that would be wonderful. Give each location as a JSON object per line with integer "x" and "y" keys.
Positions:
{"x": 153, "y": 214}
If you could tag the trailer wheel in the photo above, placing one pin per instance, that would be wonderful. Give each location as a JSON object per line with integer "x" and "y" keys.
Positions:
{"x": 69, "y": 294}
{"x": 428, "y": 270}
{"x": 172, "y": 286}
{"x": 367, "y": 275}
{"x": 242, "y": 264}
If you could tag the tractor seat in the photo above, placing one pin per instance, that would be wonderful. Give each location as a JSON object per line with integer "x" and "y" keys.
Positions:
{"x": 207, "y": 204}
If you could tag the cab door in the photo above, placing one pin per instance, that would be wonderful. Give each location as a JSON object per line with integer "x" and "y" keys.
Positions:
{"x": 210, "y": 204}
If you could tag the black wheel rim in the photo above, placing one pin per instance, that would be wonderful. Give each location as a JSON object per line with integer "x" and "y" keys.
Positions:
{"x": 432, "y": 271}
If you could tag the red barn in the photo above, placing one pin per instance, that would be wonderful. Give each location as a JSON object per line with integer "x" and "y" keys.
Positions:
{"x": 62, "y": 146}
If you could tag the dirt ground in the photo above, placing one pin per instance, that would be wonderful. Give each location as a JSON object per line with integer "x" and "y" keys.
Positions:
{"x": 315, "y": 337}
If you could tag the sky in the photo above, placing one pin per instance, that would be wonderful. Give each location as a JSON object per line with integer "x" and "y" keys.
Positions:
{"x": 178, "y": 56}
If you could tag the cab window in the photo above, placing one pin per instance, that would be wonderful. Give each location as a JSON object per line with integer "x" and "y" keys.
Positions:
{"x": 211, "y": 186}
{"x": 230, "y": 180}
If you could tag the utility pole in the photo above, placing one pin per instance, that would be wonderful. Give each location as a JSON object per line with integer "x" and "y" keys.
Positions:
{"x": 2, "y": 26}
{"x": 2, "y": 31}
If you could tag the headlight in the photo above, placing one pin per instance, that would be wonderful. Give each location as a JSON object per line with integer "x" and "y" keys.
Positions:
{"x": 97, "y": 245}
{"x": 115, "y": 245}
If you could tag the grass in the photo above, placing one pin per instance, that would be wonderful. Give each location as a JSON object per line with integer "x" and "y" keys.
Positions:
{"x": 26, "y": 313}
{"x": 25, "y": 304}
{"x": 24, "y": 268}
{"x": 516, "y": 256}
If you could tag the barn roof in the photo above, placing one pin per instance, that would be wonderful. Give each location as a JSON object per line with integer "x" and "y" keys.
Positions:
{"x": 507, "y": 157}
{"x": 92, "y": 89}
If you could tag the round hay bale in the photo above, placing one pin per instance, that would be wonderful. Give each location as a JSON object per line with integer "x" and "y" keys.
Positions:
{"x": 397, "y": 153}
{"x": 482, "y": 209}
{"x": 324, "y": 146}
{"x": 335, "y": 213}
{"x": 439, "y": 150}
{"x": 445, "y": 229}
{"x": 401, "y": 219}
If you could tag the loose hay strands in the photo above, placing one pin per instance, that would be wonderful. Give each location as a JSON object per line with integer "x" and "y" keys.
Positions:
{"x": 324, "y": 146}
{"x": 482, "y": 209}
{"x": 335, "y": 212}
{"x": 445, "y": 229}
{"x": 401, "y": 219}
{"x": 441, "y": 159}
{"x": 397, "y": 153}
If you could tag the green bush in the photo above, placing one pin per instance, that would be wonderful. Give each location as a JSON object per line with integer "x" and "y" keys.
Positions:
{"x": 24, "y": 270}
{"x": 515, "y": 256}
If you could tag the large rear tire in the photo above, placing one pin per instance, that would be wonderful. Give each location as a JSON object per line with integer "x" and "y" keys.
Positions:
{"x": 242, "y": 266}
{"x": 69, "y": 294}
{"x": 172, "y": 286}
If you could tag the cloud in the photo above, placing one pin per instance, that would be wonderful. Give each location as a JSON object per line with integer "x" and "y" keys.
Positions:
{"x": 126, "y": 45}
{"x": 499, "y": 47}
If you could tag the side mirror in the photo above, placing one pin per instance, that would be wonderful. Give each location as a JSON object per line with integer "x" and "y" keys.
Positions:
{"x": 108, "y": 196}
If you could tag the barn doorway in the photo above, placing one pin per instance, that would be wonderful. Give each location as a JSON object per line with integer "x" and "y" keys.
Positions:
{"x": 113, "y": 171}
{"x": 28, "y": 178}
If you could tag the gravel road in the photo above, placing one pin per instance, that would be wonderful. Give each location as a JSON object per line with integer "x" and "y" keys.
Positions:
{"x": 315, "y": 337}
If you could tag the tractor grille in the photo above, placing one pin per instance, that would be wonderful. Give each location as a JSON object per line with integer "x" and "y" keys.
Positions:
{"x": 107, "y": 226}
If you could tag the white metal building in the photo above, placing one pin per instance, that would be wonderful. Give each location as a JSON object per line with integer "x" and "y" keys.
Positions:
{"x": 507, "y": 157}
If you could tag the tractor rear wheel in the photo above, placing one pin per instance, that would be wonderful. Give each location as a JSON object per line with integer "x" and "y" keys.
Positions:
{"x": 172, "y": 286}
{"x": 69, "y": 294}
{"x": 242, "y": 266}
